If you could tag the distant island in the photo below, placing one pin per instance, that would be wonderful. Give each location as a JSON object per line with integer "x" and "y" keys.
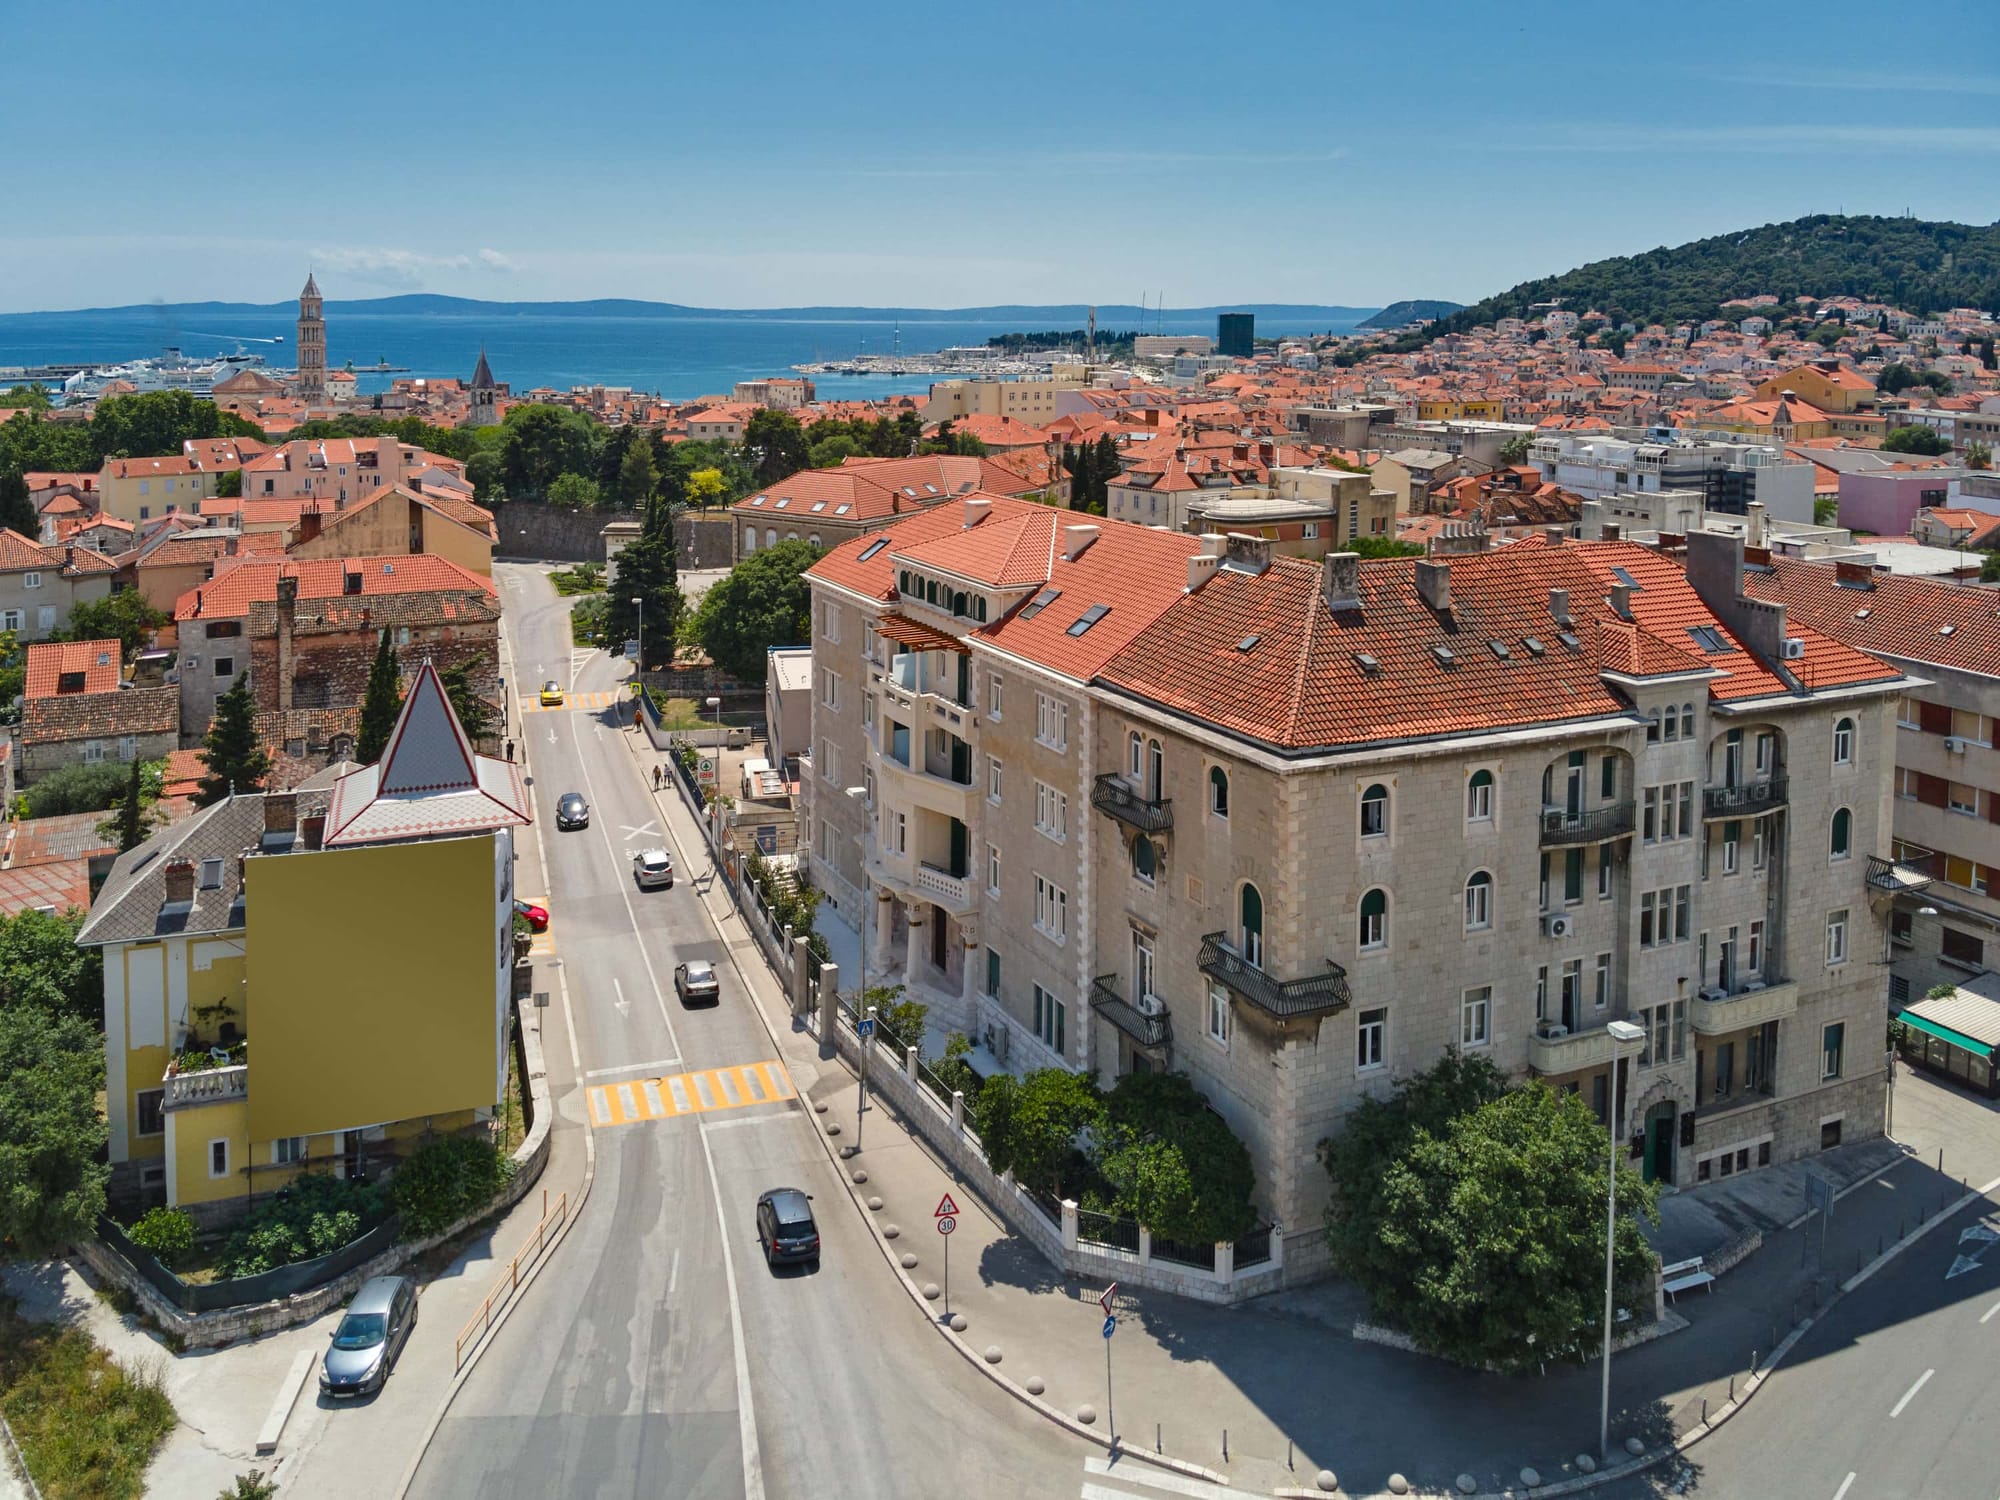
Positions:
{"x": 1399, "y": 314}
{"x": 1035, "y": 316}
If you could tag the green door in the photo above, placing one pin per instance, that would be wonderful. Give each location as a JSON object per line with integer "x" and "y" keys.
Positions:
{"x": 1661, "y": 1121}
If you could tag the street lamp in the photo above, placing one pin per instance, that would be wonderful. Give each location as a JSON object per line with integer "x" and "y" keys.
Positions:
{"x": 715, "y": 792}
{"x": 1628, "y": 1037}
{"x": 639, "y": 603}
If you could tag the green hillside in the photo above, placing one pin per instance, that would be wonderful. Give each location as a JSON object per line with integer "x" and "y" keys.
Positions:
{"x": 1915, "y": 264}
{"x": 1396, "y": 314}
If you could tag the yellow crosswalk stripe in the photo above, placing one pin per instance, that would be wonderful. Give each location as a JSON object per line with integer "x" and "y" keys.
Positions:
{"x": 542, "y": 946}
{"x": 581, "y": 702}
{"x": 697, "y": 1092}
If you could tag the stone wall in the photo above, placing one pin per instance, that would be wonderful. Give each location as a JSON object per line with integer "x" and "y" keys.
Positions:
{"x": 547, "y": 533}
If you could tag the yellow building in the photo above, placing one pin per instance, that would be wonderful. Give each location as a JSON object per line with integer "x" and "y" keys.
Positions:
{"x": 399, "y": 521}
{"x": 1032, "y": 401}
{"x": 1461, "y": 409}
{"x": 144, "y": 489}
{"x": 1829, "y": 385}
{"x": 363, "y": 922}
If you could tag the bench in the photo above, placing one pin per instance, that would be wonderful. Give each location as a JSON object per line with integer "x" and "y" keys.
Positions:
{"x": 1685, "y": 1276}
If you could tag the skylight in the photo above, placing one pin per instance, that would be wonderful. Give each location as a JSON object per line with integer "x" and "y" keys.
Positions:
{"x": 1368, "y": 664}
{"x": 1863, "y": 613}
{"x": 1947, "y": 630}
{"x": 841, "y": 510}
{"x": 1708, "y": 638}
{"x": 1570, "y": 639}
{"x": 782, "y": 502}
{"x": 1534, "y": 646}
{"x": 1040, "y": 602}
{"x": 1500, "y": 649}
{"x": 1445, "y": 656}
{"x": 1088, "y": 618}
{"x": 819, "y": 505}
{"x": 872, "y": 548}
{"x": 1627, "y": 579}
{"x": 758, "y": 499}
{"x": 1248, "y": 643}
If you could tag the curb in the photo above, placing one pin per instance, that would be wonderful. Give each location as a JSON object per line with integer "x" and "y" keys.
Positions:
{"x": 910, "y": 1288}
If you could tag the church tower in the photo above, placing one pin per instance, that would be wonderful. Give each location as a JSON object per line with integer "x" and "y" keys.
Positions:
{"x": 482, "y": 390}
{"x": 312, "y": 346}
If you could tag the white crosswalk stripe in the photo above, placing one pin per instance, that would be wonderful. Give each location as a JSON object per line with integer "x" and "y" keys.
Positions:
{"x": 1145, "y": 1481}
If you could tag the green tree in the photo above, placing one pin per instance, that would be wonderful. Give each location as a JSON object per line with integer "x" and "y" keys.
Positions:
{"x": 1383, "y": 546}
{"x": 1986, "y": 357}
{"x": 541, "y": 444}
{"x": 777, "y": 443}
{"x": 705, "y": 487}
{"x": 832, "y": 452}
{"x": 763, "y": 602}
{"x": 233, "y": 753}
{"x": 51, "y": 1181}
{"x": 1989, "y": 568}
{"x": 156, "y": 423}
{"x": 381, "y": 701}
{"x": 1175, "y": 1164}
{"x": 637, "y": 476}
{"x": 648, "y": 570}
{"x": 1472, "y": 1215}
{"x": 25, "y": 397}
{"x": 229, "y": 484}
{"x": 1978, "y": 455}
{"x": 573, "y": 492}
{"x": 17, "y": 511}
{"x": 1030, "y": 1126}
{"x": 76, "y": 788}
{"x": 1515, "y": 449}
{"x": 123, "y": 616}
{"x": 1826, "y": 511}
{"x": 475, "y": 714}
{"x": 41, "y": 966}
{"x": 130, "y": 824}
{"x": 1926, "y": 441}
{"x": 485, "y": 471}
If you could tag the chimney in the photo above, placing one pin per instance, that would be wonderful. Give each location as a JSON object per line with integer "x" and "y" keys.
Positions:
{"x": 69, "y": 559}
{"x": 1621, "y": 600}
{"x": 1075, "y": 539}
{"x": 1553, "y": 535}
{"x": 312, "y": 830}
{"x": 281, "y": 812}
{"x": 179, "y": 877}
{"x": 288, "y": 591}
{"x": 1559, "y": 606}
{"x": 1753, "y": 532}
{"x": 308, "y": 526}
{"x": 1854, "y": 575}
{"x": 1340, "y": 580}
{"x": 976, "y": 510}
{"x": 1201, "y": 567}
{"x": 1610, "y": 531}
{"x": 1434, "y": 584}
{"x": 1243, "y": 553}
{"x": 228, "y": 550}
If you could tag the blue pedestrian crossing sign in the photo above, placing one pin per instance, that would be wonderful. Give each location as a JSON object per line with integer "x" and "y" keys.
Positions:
{"x": 864, "y": 1028}
{"x": 1110, "y": 1325}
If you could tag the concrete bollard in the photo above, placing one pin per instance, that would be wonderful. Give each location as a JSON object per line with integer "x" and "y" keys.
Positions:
{"x": 829, "y": 1001}
{"x": 1069, "y": 1224}
{"x": 958, "y": 1112}
{"x": 910, "y": 1063}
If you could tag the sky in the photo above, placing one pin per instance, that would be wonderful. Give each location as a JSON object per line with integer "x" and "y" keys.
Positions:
{"x": 784, "y": 154}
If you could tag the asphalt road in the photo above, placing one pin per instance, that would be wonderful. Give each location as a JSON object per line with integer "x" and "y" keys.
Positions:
{"x": 657, "y": 1355}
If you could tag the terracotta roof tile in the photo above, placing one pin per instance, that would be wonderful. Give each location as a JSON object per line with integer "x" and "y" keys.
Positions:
{"x": 253, "y": 580}
{"x": 97, "y": 663}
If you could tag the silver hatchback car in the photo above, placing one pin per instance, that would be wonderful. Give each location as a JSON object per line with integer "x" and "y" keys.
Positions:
{"x": 653, "y": 868}
{"x": 368, "y": 1339}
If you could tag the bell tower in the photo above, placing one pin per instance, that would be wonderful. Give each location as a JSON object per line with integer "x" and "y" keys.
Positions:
{"x": 484, "y": 412}
{"x": 312, "y": 346}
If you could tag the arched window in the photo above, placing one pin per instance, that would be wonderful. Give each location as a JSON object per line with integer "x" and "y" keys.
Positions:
{"x": 1156, "y": 769}
{"x": 1218, "y": 791}
{"x": 1145, "y": 859}
{"x": 1250, "y": 924}
{"x": 814, "y": 538}
{"x": 1375, "y": 919}
{"x": 749, "y": 540}
{"x": 791, "y": 536}
{"x": 1687, "y": 721}
{"x": 979, "y": 607}
{"x": 1479, "y": 902}
{"x": 1843, "y": 742}
{"x": 1135, "y": 746}
{"x": 1479, "y": 797}
{"x": 1841, "y": 843}
{"x": 770, "y": 536}
{"x": 1375, "y": 812}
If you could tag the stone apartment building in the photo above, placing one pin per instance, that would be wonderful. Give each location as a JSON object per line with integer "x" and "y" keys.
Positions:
{"x": 1311, "y": 825}
{"x": 1945, "y": 816}
{"x": 39, "y": 585}
{"x": 77, "y": 709}
{"x": 338, "y": 472}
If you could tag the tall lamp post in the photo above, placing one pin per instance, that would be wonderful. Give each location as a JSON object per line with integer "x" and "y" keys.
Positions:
{"x": 1628, "y": 1037}
{"x": 715, "y": 792}
{"x": 639, "y": 602}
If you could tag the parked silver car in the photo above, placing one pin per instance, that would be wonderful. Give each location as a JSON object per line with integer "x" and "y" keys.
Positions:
{"x": 368, "y": 1339}
{"x": 652, "y": 868}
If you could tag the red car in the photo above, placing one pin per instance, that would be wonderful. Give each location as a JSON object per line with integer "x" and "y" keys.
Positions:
{"x": 537, "y": 916}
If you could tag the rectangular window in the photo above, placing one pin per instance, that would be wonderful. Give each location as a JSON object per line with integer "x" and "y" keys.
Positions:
{"x": 1907, "y": 716}
{"x": 1683, "y": 911}
{"x": 1600, "y": 995}
{"x": 1572, "y": 876}
{"x": 1051, "y": 909}
{"x": 1051, "y": 812}
{"x": 1832, "y": 1043}
{"x": 1961, "y": 948}
{"x": 868, "y": 784}
{"x": 993, "y": 869}
{"x": 992, "y": 695}
{"x": 1052, "y": 722}
{"x": 1836, "y": 937}
{"x": 1649, "y": 816}
{"x": 868, "y": 712}
{"x": 225, "y": 666}
{"x": 218, "y": 1159}
{"x": 1607, "y": 778}
{"x": 152, "y": 1111}
{"x": 1218, "y": 1014}
{"x": 1757, "y": 844}
{"x": 832, "y": 621}
{"x": 288, "y": 1151}
{"x": 994, "y": 779}
{"x": 1754, "y": 957}
{"x": 1049, "y": 1019}
{"x": 31, "y": 580}
{"x": 1829, "y": 1135}
{"x": 899, "y": 833}
{"x": 1475, "y": 1016}
{"x": 1732, "y": 848}
{"x": 1370, "y": 1031}
{"x": 1964, "y": 799}
{"x": 1646, "y": 919}
{"x": 1604, "y": 872}
{"x": 1572, "y": 993}
{"x": 993, "y": 973}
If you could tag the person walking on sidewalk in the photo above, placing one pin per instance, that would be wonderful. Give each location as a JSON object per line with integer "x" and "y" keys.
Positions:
{"x": 656, "y": 778}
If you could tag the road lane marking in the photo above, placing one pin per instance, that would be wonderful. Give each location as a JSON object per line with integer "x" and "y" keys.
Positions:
{"x": 700, "y": 1092}
{"x": 1911, "y": 1393}
{"x": 1995, "y": 1308}
{"x": 1841, "y": 1493}
{"x": 674, "y": 1276}
{"x": 624, "y": 1005}
{"x": 638, "y": 1067}
{"x": 1135, "y": 1473}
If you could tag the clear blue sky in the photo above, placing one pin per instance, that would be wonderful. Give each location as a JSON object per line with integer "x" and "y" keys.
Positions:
{"x": 778, "y": 153}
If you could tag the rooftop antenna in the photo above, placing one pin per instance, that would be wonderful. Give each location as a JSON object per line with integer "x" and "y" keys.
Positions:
{"x": 1090, "y": 346}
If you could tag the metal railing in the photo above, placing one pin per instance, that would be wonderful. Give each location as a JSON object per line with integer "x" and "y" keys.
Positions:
{"x": 1912, "y": 873}
{"x": 1593, "y": 825}
{"x": 1254, "y": 1249}
{"x": 1202, "y": 1257}
{"x": 1745, "y": 800}
{"x": 1147, "y": 1028}
{"x": 1279, "y": 997}
{"x": 1107, "y": 1230}
{"x": 1110, "y": 795}
{"x": 509, "y": 1280}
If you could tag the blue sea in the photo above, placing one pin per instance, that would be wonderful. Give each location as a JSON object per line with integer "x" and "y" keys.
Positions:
{"x": 676, "y": 357}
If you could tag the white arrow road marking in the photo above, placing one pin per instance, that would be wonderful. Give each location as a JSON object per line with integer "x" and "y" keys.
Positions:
{"x": 624, "y": 1005}
{"x": 1911, "y": 1393}
{"x": 643, "y": 831}
{"x": 1982, "y": 1235}
{"x": 1841, "y": 1493}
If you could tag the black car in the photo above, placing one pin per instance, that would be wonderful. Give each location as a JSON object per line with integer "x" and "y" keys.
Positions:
{"x": 696, "y": 983}
{"x": 572, "y": 811}
{"x": 785, "y": 1227}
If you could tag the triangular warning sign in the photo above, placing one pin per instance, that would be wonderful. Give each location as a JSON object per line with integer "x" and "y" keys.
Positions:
{"x": 946, "y": 1208}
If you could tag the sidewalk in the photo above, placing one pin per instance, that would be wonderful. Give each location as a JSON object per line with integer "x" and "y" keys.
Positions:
{"x": 1267, "y": 1393}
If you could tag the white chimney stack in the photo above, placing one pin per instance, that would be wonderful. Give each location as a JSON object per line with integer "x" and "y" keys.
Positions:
{"x": 1075, "y": 539}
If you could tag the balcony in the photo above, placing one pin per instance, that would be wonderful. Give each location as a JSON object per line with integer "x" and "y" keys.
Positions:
{"x": 1554, "y": 1049}
{"x": 952, "y": 892}
{"x": 207, "y": 1086}
{"x": 1283, "y": 998}
{"x": 1906, "y": 876}
{"x": 909, "y": 786}
{"x": 1146, "y": 1028}
{"x": 1754, "y": 1002}
{"x": 1752, "y": 799}
{"x": 899, "y": 690}
{"x": 1111, "y": 795}
{"x": 1562, "y": 828}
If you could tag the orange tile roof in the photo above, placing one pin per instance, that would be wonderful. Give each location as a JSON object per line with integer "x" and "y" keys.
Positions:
{"x": 254, "y": 580}
{"x": 1942, "y": 624}
{"x": 97, "y": 662}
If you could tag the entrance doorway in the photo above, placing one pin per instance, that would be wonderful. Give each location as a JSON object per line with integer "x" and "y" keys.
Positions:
{"x": 940, "y": 939}
{"x": 1661, "y": 1122}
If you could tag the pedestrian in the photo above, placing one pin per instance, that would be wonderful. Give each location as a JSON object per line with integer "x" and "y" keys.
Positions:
{"x": 656, "y": 778}
{"x": 510, "y": 749}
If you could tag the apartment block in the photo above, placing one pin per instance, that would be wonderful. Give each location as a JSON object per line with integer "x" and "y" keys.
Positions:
{"x": 1727, "y": 474}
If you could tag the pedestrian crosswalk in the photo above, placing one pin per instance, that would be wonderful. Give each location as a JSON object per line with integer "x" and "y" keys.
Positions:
{"x": 581, "y": 702}
{"x": 543, "y": 946}
{"x": 1127, "y": 1478}
{"x": 701, "y": 1092}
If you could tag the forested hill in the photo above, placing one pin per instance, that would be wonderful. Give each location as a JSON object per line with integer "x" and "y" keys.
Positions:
{"x": 1915, "y": 264}
{"x": 1396, "y": 314}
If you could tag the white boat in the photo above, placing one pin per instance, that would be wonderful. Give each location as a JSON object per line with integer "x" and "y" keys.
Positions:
{"x": 172, "y": 371}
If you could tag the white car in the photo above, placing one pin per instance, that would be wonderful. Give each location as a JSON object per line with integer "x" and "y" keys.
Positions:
{"x": 653, "y": 868}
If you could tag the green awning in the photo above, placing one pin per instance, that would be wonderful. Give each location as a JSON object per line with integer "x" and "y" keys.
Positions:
{"x": 1945, "y": 1033}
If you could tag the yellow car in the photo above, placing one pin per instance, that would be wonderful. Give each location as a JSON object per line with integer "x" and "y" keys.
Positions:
{"x": 552, "y": 694}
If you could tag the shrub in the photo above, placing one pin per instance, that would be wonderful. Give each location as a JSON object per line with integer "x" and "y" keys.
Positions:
{"x": 86, "y": 1426}
{"x": 77, "y": 789}
{"x": 251, "y": 1486}
{"x": 1174, "y": 1162}
{"x": 443, "y": 1181}
{"x": 1030, "y": 1126}
{"x": 167, "y": 1234}
{"x": 313, "y": 1216}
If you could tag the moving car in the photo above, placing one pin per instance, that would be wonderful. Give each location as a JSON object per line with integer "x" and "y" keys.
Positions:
{"x": 368, "y": 1339}
{"x": 652, "y": 868}
{"x": 552, "y": 696}
{"x": 785, "y": 1227}
{"x": 537, "y": 916}
{"x": 572, "y": 811}
{"x": 695, "y": 981}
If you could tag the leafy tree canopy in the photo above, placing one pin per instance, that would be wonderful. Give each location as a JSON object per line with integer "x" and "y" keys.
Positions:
{"x": 381, "y": 701}
{"x": 777, "y": 444}
{"x": 51, "y": 1183}
{"x": 233, "y": 753}
{"x": 648, "y": 568}
{"x": 542, "y": 443}
{"x": 124, "y": 616}
{"x": 77, "y": 788}
{"x": 573, "y": 492}
{"x": 41, "y": 966}
{"x": 1926, "y": 441}
{"x": 764, "y": 602}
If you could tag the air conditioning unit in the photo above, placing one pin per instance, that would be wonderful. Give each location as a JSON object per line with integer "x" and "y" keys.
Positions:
{"x": 1558, "y": 924}
{"x": 1795, "y": 649}
{"x": 1149, "y": 1005}
{"x": 1715, "y": 992}
{"x": 1956, "y": 744}
{"x": 1752, "y": 986}
{"x": 1551, "y": 1031}
{"x": 1003, "y": 1037}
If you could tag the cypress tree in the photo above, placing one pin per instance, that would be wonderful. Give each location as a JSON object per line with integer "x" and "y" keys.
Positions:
{"x": 379, "y": 705}
{"x": 130, "y": 825}
{"x": 232, "y": 752}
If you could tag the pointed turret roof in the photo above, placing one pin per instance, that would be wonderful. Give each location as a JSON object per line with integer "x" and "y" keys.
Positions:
{"x": 482, "y": 377}
{"x": 312, "y": 287}
{"x": 429, "y": 781}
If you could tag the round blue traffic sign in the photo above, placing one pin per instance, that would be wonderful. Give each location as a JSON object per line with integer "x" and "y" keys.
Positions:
{"x": 1110, "y": 1325}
